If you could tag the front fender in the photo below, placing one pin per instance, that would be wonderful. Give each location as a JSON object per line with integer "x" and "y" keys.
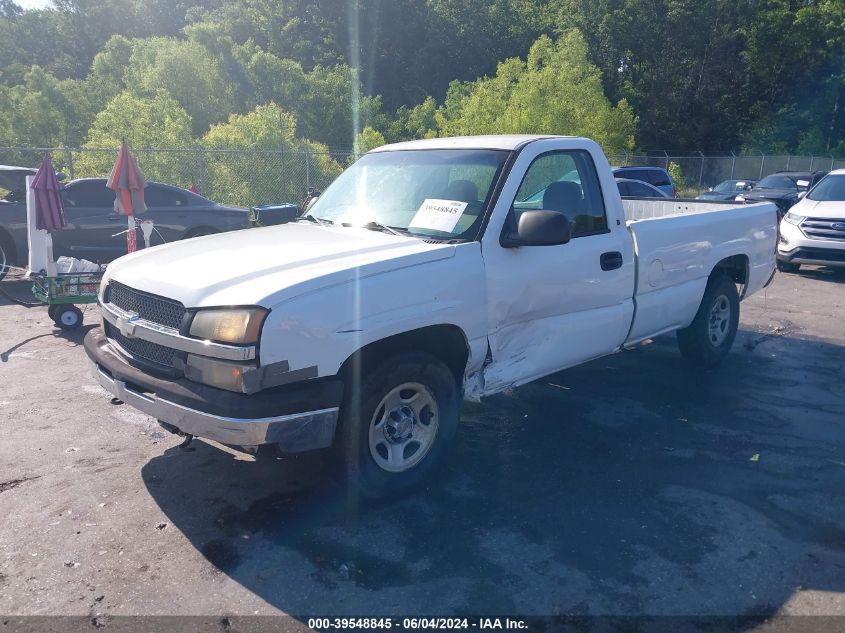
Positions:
{"x": 319, "y": 330}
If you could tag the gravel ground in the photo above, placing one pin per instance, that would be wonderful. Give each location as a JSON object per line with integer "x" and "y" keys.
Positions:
{"x": 630, "y": 485}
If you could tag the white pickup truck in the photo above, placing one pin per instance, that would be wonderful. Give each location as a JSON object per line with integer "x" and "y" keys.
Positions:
{"x": 428, "y": 272}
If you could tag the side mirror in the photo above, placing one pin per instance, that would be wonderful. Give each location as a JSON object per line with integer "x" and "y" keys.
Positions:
{"x": 539, "y": 228}
{"x": 801, "y": 194}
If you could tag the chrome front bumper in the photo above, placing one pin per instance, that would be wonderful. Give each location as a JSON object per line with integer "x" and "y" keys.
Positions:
{"x": 294, "y": 432}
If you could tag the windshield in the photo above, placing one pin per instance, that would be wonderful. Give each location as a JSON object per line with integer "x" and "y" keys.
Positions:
{"x": 830, "y": 189}
{"x": 778, "y": 182}
{"x": 732, "y": 186}
{"x": 437, "y": 194}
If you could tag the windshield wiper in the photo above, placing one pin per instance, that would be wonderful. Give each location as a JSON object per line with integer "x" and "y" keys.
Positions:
{"x": 378, "y": 226}
{"x": 315, "y": 219}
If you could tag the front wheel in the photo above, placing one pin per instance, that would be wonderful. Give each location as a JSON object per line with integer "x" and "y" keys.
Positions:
{"x": 398, "y": 423}
{"x": 709, "y": 338}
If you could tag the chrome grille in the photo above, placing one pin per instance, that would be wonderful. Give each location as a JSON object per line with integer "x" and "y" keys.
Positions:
{"x": 147, "y": 306}
{"x": 823, "y": 228}
{"x": 150, "y": 352}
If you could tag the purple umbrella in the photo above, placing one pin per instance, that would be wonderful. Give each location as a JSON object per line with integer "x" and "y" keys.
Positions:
{"x": 49, "y": 212}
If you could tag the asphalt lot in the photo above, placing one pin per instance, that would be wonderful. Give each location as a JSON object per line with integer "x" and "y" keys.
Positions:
{"x": 629, "y": 485}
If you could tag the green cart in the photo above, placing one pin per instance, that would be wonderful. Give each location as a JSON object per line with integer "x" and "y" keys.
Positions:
{"x": 65, "y": 290}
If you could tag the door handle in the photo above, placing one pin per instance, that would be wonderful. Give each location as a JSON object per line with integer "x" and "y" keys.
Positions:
{"x": 611, "y": 260}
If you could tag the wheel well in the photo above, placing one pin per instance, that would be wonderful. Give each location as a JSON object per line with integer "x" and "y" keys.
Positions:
{"x": 735, "y": 267}
{"x": 446, "y": 342}
{"x": 9, "y": 245}
{"x": 200, "y": 230}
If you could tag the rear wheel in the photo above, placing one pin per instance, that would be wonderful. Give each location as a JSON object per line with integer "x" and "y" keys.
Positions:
{"x": 5, "y": 257}
{"x": 787, "y": 267}
{"x": 399, "y": 425}
{"x": 68, "y": 317}
{"x": 709, "y": 338}
{"x": 51, "y": 311}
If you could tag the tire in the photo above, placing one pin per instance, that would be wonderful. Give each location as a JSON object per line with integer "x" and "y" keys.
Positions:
{"x": 709, "y": 338}
{"x": 398, "y": 424}
{"x": 51, "y": 311}
{"x": 786, "y": 267}
{"x": 5, "y": 257}
{"x": 68, "y": 317}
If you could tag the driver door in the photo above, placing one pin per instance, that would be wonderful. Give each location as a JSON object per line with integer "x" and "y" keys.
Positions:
{"x": 551, "y": 307}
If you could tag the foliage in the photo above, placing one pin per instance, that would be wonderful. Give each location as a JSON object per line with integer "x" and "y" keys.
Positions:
{"x": 231, "y": 177}
{"x": 556, "y": 91}
{"x": 144, "y": 122}
{"x": 368, "y": 139}
{"x": 673, "y": 74}
{"x": 677, "y": 176}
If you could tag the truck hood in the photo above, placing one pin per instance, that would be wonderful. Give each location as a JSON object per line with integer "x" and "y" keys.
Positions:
{"x": 829, "y": 210}
{"x": 268, "y": 265}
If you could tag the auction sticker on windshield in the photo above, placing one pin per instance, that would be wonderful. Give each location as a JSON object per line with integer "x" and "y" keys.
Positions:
{"x": 438, "y": 215}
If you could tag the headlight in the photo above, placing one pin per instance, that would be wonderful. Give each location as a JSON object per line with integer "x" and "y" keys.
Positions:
{"x": 104, "y": 282}
{"x": 793, "y": 218}
{"x": 240, "y": 326}
{"x": 217, "y": 373}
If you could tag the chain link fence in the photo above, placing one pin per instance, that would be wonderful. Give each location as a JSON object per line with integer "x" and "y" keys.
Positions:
{"x": 700, "y": 172}
{"x": 237, "y": 177}
{"x": 252, "y": 177}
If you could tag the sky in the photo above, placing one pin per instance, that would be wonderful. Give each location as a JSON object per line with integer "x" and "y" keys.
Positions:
{"x": 32, "y": 4}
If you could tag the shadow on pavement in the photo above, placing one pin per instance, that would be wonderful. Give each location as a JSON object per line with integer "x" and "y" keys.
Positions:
{"x": 822, "y": 273}
{"x": 630, "y": 485}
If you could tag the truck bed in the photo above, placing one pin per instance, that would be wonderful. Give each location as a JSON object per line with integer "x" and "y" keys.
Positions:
{"x": 647, "y": 208}
{"x": 677, "y": 243}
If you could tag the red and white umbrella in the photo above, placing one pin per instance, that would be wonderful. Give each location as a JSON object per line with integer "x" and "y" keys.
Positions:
{"x": 128, "y": 183}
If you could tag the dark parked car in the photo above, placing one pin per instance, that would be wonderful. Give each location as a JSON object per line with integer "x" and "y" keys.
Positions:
{"x": 784, "y": 188}
{"x": 638, "y": 189}
{"x": 727, "y": 190}
{"x": 94, "y": 231}
{"x": 656, "y": 176}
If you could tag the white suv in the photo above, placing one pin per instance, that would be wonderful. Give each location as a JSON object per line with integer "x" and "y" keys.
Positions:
{"x": 813, "y": 232}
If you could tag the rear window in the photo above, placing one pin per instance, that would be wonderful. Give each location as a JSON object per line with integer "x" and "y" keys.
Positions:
{"x": 659, "y": 178}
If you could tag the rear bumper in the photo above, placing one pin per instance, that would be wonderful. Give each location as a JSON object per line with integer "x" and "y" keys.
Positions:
{"x": 297, "y": 417}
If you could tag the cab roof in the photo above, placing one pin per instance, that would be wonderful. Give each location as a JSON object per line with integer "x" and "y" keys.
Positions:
{"x": 508, "y": 142}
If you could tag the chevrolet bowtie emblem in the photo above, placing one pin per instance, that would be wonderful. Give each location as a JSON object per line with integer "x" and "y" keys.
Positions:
{"x": 126, "y": 325}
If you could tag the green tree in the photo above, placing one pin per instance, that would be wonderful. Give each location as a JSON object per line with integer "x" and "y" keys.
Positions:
{"x": 264, "y": 161}
{"x": 44, "y": 111}
{"x": 186, "y": 71}
{"x": 556, "y": 91}
{"x": 368, "y": 139}
{"x": 144, "y": 122}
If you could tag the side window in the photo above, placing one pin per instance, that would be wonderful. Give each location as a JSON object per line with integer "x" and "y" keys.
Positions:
{"x": 566, "y": 182}
{"x": 658, "y": 178}
{"x": 90, "y": 194}
{"x": 623, "y": 188}
{"x": 155, "y": 196}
